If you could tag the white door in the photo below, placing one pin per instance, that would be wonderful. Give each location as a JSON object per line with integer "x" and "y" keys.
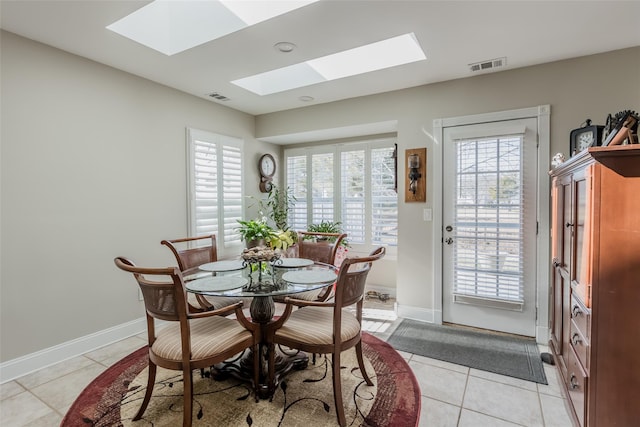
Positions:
{"x": 489, "y": 225}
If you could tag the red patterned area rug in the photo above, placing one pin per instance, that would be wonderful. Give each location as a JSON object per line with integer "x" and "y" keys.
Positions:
{"x": 304, "y": 398}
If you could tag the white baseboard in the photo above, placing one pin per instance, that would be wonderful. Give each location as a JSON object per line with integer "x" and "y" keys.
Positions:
{"x": 419, "y": 314}
{"x": 24, "y": 365}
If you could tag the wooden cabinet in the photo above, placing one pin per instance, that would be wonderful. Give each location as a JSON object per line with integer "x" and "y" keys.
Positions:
{"x": 595, "y": 312}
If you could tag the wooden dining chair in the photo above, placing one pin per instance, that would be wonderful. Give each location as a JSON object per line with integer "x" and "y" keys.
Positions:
{"x": 190, "y": 340}
{"x": 192, "y": 252}
{"x": 328, "y": 327}
{"x": 319, "y": 251}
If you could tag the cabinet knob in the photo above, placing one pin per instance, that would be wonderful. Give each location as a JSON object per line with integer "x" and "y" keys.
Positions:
{"x": 574, "y": 382}
{"x": 575, "y": 311}
{"x": 575, "y": 338}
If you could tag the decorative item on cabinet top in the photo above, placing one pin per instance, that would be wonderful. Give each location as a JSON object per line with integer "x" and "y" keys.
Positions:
{"x": 557, "y": 160}
{"x": 622, "y": 128}
{"x": 585, "y": 136}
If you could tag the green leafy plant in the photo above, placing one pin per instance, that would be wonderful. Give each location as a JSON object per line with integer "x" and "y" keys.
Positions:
{"x": 275, "y": 207}
{"x": 255, "y": 230}
{"x": 278, "y": 204}
{"x": 326, "y": 227}
{"x": 283, "y": 239}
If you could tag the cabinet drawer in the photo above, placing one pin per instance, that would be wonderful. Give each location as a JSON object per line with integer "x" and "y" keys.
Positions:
{"x": 581, "y": 316}
{"x": 580, "y": 344}
{"x": 577, "y": 386}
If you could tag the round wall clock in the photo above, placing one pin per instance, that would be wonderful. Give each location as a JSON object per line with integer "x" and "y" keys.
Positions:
{"x": 585, "y": 137}
{"x": 267, "y": 166}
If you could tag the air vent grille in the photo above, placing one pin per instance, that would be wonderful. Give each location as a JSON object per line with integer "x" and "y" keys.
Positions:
{"x": 219, "y": 97}
{"x": 488, "y": 65}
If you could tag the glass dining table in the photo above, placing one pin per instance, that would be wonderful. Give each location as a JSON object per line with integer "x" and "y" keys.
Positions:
{"x": 260, "y": 281}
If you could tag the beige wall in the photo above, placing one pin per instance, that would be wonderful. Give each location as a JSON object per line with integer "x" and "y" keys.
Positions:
{"x": 93, "y": 167}
{"x": 586, "y": 87}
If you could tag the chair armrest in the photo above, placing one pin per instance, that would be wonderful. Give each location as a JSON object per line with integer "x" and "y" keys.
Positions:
{"x": 283, "y": 318}
{"x": 249, "y": 325}
{"x": 224, "y": 311}
{"x": 304, "y": 303}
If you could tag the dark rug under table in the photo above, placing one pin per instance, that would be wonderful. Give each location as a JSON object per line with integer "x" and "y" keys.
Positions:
{"x": 502, "y": 354}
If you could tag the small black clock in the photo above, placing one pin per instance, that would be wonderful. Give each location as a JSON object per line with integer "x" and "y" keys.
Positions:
{"x": 584, "y": 137}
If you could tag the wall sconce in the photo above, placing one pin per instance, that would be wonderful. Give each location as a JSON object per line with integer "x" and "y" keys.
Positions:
{"x": 416, "y": 175}
{"x": 413, "y": 164}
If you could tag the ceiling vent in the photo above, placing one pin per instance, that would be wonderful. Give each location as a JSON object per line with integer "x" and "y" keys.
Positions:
{"x": 488, "y": 65}
{"x": 219, "y": 97}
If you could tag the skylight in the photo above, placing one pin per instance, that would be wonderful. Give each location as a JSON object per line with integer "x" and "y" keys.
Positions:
{"x": 388, "y": 53}
{"x": 173, "y": 26}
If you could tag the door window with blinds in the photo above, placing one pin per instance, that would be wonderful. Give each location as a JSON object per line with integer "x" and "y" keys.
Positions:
{"x": 488, "y": 240}
{"x": 214, "y": 168}
{"x": 348, "y": 183}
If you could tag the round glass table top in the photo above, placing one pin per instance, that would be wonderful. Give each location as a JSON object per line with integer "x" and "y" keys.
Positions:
{"x": 220, "y": 266}
{"x": 309, "y": 277}
{"x": 267, "y": 282}
{"x": 292, "y": 262}
{"x": 216, "y": 283}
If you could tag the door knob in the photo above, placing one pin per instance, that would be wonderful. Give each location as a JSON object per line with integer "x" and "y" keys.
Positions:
{"x": 448, "y": 240}
{"x": 449, "y": 228}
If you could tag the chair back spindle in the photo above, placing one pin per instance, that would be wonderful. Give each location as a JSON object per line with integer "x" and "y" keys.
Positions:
{"x": 192, "y": 257}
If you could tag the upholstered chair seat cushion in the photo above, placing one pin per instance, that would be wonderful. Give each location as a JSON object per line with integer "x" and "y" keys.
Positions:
{"x": 308, "y": 295}
{"x": 314, "y": 325}
{"x": 209, "y": 336}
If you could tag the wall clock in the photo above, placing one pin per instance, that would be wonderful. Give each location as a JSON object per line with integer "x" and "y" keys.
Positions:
{"x": 584, "y": 137}
{"x": 267, "y": 168}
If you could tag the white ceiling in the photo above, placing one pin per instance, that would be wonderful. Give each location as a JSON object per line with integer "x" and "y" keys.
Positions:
{"x": 453, "y": 34}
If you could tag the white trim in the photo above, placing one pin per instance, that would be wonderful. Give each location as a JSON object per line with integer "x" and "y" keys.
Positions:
{"x": 542, "y": 113}
{"x": 544, "y": 195}
{"x": 474, "y": 119}
{"x": 419, "y": 313}
{"x": 29, "y": 363}
{"x": 498, "y": 130}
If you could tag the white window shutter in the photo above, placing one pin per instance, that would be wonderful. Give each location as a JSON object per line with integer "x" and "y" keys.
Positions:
{"x": 214, "y": 167}
{"x": 349, "y": 183}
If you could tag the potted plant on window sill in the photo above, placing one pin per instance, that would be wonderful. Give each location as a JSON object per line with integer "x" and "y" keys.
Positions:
{"x": 326, "y": 227}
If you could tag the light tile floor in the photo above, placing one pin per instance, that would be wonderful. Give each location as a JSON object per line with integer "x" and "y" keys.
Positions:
{"x": 452, "y": 395}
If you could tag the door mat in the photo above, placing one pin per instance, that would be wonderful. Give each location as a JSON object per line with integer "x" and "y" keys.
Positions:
{"x": 506, "y": 355}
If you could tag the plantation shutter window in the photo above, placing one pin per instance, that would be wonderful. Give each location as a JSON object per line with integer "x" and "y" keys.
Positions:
{"x": 297, "y": 182}
{"x": 384, "y": 199}
{"x": 353, "y": 195}
{"x": 350, "y": 183}
{"x": 322, "y": 187}
{"x": 215, "y": 187}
